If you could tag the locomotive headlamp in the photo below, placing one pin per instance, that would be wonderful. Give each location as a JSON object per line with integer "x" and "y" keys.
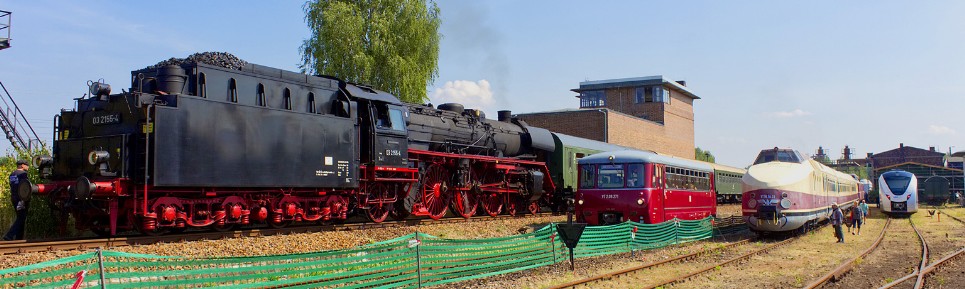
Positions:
{"x": 785, "y": 203}
{"x": 97, "y": 157}
{"x": 640, "y": 202}
{"x": 43, "y": 161}
{"x": 752, "y": 203}
{"x": 783, "y": 194}
{"x": 611, "y": 158}
{"x": 580, "y": 202}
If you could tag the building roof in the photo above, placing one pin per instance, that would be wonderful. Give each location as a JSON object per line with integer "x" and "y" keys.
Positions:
{"x": 635, "y": 81}
{"x": 904, "y": 154}
{"x": 917, "y": 164}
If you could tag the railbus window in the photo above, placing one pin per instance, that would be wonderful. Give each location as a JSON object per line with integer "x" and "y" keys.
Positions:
{"x": 610, "y": 176}
{"x": 635, "y": 176}
{"x": 587, "y": 176}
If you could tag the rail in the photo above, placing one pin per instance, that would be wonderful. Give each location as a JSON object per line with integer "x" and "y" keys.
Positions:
{"x": 844, "y": 268}
{"x": 919, "y": 281}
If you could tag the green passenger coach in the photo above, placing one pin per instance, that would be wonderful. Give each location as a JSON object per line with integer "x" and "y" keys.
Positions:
{"x": 727, "y": 181}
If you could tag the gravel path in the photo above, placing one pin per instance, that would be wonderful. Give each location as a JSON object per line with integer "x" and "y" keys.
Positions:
{"x": 793, "y": 265}
{"x": 309, "y": 242}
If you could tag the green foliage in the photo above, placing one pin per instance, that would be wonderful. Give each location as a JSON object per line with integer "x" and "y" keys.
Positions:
{"x": 392, "y": 45}
{"x": 862, "y": 172}
{"x": 702, "y": 155}
{"x": 41, "y": 220}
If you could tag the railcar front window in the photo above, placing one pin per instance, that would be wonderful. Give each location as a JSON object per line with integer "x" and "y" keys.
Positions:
{"x": 787, "y": 156}
{"x": 897, "y": 184}
{"x": 587, "y": 176}
{"x": 635, "y": 178}
{"x": 610, "y": 176}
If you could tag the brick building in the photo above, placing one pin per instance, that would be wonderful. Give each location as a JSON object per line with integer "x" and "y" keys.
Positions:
{"x": 649, "y": 113}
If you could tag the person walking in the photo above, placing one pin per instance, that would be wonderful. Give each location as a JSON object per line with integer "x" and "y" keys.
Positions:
{"x": 837, "y": 218}
{"x": 18, "y": 177}
{"x": 857, "y": 218}
{"x": 864, "y": 209}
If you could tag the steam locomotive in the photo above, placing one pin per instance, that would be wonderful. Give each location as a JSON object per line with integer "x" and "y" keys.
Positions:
{"x": 196, "y": 145}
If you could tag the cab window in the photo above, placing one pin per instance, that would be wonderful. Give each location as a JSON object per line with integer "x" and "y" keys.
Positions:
{"x": 396, "y": 119}
{"x": 635, "y": 176}
{"x": 587, "y": 176}
{"x": 390, "y": 119}
{"x": 610, "y": 176}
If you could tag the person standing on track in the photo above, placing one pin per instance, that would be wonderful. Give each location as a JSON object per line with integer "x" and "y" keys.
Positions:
{"x": 837, "y": 218}
{"x": 857, "y": 218}
{"x": 18, "y": 177}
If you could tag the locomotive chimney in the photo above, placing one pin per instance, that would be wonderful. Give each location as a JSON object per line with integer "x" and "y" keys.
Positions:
{"x": 171, "y": 79}
{"x": 504, "y": 115}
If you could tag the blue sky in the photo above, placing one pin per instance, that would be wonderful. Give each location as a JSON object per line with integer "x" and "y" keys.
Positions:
{"x": 869, "y": 74}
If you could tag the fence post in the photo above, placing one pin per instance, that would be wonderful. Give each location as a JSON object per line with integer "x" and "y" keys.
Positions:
{"x": 418, "y": 259}
{"x": 100, "y": 264}
{"x": 553, "y": 240}
{"x": 676, "y": 230}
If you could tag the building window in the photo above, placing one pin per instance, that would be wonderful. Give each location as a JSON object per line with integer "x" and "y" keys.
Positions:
{"x": 311, "y": 102}
{"x": 262, "y": 98}
{"x": 288, "y": 99}
{"x": 202, "y": 85}
{"x": 641, "y": 95}
{"x": 661, "y": 94}
{"x": 232, "y": 90}
{"x": 592, "y": 98}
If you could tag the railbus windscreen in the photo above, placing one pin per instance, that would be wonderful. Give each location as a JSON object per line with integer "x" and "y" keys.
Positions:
{"x": 610, "y": 177}
{"x": 897, "y": 183}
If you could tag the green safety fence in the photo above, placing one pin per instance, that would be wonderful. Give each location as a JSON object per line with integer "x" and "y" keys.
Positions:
{"x": 409, "y": 261}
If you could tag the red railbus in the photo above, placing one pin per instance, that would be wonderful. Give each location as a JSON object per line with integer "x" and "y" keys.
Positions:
{"x": 644, "y": 187}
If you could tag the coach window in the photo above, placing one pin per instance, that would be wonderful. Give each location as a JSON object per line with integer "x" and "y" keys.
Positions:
{"x": 232, "y": 90}
{"x": 635, "y": 176}
{"x": 262, "y": 98}
{"x": 311, "y": 102}
{"x": 610, "y": 177}
{"x": 587, "y": 176}
{"x": 202, "y": 85}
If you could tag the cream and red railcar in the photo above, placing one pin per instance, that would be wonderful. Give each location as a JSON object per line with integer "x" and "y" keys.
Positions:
{"x": 643, "y": 187}
{"x": 785, "y": 191}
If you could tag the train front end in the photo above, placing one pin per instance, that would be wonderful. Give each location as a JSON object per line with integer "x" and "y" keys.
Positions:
{"x": 898, "y": 192}
{"x": 614, "y": 188}
{"x": 777, "y": 192}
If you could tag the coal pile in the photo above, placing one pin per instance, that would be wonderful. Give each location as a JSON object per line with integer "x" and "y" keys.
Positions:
{"x": 222, "y": 59}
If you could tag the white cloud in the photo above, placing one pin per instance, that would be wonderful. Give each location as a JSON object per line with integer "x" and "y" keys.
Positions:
{"x": 787, "y": 114}
{"x": 940, "y": 130}
{"x": 471, "y": 94}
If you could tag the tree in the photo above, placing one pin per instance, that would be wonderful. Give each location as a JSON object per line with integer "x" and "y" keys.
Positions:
{"x": 702, "y": 155}
{"x": 392, "y": 45}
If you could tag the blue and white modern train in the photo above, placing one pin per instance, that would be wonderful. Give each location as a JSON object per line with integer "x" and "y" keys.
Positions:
{"x": 898, "y": 192}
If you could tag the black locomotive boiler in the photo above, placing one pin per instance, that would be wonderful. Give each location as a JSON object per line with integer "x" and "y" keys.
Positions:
{"x": 196, "y": 145}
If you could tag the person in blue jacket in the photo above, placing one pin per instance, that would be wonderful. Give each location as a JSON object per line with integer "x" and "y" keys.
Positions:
{"x": 18, "y": 177}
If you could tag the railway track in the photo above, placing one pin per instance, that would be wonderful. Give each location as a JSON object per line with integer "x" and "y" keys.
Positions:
{"x": 19, "y": 247}
{"x": 597, "y": 281}
{"x": 921, "y": 274}
{"x": 845, "y": 267}
{"x": 918, "y": 273}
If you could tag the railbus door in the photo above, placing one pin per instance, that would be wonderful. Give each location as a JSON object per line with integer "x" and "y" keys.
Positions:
{"x": 657, "y": 196}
